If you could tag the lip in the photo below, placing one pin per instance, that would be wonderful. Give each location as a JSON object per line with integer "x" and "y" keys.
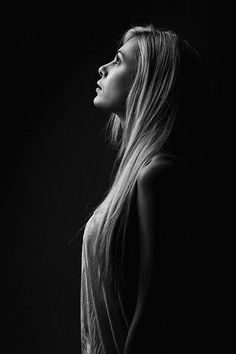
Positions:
{"x": 99, "y": 85}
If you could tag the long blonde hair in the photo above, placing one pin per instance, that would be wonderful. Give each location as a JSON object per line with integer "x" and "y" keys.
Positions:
{"x": 151, "y": 109}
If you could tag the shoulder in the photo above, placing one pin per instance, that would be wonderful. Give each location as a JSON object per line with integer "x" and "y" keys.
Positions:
{"x": 155, "y": 172}
{"x": 161, "y": 184}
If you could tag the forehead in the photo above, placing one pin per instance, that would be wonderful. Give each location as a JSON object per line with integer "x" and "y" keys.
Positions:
{"x": 130, "y": 50}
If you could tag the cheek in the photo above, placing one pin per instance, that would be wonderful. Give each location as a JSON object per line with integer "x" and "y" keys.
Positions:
{"x": 118, "y": 89}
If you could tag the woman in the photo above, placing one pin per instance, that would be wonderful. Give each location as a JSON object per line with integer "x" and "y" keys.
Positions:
{"x": 141, "y": 287}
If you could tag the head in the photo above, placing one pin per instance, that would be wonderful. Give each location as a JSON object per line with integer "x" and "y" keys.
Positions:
{"x": 116, "y": 80}
{"x": 155, "y": 90}
{"x": 154, "y": 72}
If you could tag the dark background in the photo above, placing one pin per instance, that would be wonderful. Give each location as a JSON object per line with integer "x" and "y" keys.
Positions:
{"x": 55, "y": 161}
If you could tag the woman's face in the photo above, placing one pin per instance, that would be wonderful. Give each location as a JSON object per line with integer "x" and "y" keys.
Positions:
{"x": 116, "y": 79}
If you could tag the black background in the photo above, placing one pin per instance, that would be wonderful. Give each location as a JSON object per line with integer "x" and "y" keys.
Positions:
{"x": 55, "y": 161}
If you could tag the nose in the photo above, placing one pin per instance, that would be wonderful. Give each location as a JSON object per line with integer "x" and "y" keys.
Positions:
{"x": 102, "y": 71}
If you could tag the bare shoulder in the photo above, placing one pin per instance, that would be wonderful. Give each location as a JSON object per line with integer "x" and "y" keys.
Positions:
{"x": 155, "y": 171}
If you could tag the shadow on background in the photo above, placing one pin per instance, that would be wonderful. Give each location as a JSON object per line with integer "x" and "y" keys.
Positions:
{"x": 55, "y": 161}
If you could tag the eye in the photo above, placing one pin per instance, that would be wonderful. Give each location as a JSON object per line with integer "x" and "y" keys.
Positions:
{"x": 117, "y": 59}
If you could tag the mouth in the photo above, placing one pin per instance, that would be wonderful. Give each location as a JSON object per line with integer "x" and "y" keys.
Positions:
{"x": 99, "y": 87}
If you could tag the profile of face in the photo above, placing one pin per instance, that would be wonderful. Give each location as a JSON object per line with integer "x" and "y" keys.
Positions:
{"x": 116, "y": 79}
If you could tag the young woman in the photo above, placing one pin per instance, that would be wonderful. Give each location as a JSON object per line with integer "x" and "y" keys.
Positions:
{"x": 142, "y": 258}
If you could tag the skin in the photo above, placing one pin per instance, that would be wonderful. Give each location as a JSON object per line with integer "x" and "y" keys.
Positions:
{"x": 170, "y": 308}
{"x": 151, "y": 181}
{"x": 116, "y": 80}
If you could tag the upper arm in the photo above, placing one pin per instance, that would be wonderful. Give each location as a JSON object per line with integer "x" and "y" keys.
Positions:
{"x": 168, "y": 259}
{"x": 152, "y": 190}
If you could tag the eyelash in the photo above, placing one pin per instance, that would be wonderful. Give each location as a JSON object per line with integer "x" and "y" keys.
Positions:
{"x": 117, "y": 59}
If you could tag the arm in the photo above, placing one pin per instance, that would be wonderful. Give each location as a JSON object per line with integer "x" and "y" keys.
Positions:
{"x": 152, "y": 188}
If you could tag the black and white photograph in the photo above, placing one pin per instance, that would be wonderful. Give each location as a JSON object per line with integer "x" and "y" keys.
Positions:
{"x": 113, "y": 178}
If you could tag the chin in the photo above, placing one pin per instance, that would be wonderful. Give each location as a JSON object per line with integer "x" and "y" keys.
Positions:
{"x": 99, "y": 104}
{"x": 96, "y": 101}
